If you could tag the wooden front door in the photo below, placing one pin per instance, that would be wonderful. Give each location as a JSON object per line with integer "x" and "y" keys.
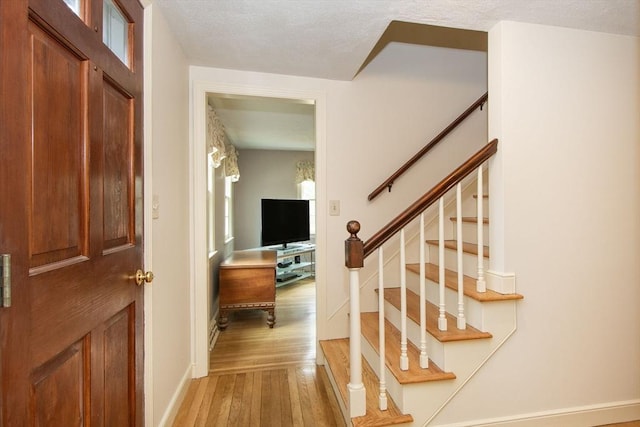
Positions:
{"x": 71, "y": 343}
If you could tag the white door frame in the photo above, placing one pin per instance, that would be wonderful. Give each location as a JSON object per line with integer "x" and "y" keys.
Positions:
{"x": 200, "y": 304}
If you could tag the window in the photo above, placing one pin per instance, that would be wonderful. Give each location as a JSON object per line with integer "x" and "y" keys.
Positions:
{"x": 211, "y": 204}
{"x": 74, "y": 5}
{"x": 228, "y": 209}
{"x": 115, "y": 30}
{"x": 307, "y": 191}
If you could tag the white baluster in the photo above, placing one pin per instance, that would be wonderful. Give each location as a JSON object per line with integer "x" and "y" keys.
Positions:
{"x": 357, "y": 393}
{"x": 442, "y": 319}
{"x": 481, "y": 284}
{"x": 404, "y": 359}
{"x": 461, "y": 323}
{"x": 424, "y": 359}
{"x": 381, "y": 334}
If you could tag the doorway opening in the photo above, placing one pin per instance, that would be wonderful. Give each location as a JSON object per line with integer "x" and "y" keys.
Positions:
{"x": 234, "y": 102}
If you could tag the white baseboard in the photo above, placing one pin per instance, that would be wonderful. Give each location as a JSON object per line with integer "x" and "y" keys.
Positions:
{"x": 582, "y": 416}
{"x": 170, "y": 413}
{"x": 503, "y": 283}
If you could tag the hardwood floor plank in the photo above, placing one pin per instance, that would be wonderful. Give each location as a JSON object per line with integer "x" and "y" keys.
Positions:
{"x": 271, "y": 408}
{"x": 256, "y": 399}
{"x": 237, "y": 402}
{"x": 219, "y": 411}
{"x": 294, "y": 397}
{"x": 183, "y": 412}
{"x": 265, "y": 377}
{"x": 306, "y": 403}
{"x": 286, "y": 418}
{"x": 192, "y": 415}
{"x": 203, "y": 411}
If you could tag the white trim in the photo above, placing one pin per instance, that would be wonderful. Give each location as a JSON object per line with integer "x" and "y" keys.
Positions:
{"x": 147, "y": 214}
{"x": 503, "y": 283}
{"x": 197, "y": 199}
{"x": 604, "y": 413}
{"x": 176, "y": 400}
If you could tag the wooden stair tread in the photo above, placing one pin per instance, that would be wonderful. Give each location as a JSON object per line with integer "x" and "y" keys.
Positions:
{"x": 337, "y": 354}
{"x": 471, "y": 219}
{"x": 470, "y": 248}
{"x": 451, "y": 281}
{"x": 415, "y": 374}
{"x": 392, "y": 295}
{"x": 484, "y": 196}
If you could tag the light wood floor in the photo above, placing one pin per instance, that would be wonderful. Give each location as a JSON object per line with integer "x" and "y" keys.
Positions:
{"x": 265, "y": 377}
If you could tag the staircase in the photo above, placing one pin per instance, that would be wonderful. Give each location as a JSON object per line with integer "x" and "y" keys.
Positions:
{"x": 456, "y": 350}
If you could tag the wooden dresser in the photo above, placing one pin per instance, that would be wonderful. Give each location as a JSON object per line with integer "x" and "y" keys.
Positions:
{"x": 248, "y": 281}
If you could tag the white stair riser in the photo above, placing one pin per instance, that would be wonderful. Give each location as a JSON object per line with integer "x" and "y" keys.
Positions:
{"x": 435, "y": 348}
{"x": 447, "y": 355}
{"x": 470, "y": 206}
{"x": 485, "y": 316}
{"x": 473, "y": 308}
{"x": 470, "y": 232}
{"x": 469, "y": 261}
{"x": 394, "y": 388}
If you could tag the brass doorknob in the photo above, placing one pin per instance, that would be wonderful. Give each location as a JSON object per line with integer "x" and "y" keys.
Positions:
{"x": 142, "y": 277}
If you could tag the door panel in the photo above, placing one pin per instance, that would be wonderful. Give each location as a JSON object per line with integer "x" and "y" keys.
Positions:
{"x": 118, "y": 164}
{"x": 58, "y": 389}
{"x": 59, "y": 220}
{"x": 71, "y": 344}
{"x": 118, "y": 391}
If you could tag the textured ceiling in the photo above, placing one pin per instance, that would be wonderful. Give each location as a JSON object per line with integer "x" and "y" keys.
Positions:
{"x": 332, "y": 39}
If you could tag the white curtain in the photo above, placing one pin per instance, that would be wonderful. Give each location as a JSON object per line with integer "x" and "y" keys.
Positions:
{"x": 305, "y": 171}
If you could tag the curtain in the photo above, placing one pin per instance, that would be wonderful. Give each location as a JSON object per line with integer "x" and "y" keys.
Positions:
{"x": 215, "y": 137}
{"x": 231, "y": 163}
{"x": 305, "y": 171}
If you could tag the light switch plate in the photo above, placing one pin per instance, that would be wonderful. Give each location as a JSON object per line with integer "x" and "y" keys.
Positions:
{"x": 334, "y": 207}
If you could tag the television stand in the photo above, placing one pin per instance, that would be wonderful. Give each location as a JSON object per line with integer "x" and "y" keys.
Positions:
{"x": 292, "y": 271}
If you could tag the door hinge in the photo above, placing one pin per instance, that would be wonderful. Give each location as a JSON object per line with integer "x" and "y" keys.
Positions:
{"x": 5, "y": 280}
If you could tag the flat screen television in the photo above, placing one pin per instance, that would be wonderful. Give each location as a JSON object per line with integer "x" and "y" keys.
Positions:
{"x": 284, "y": 221}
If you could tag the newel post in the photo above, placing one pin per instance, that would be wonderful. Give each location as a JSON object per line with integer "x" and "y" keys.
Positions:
{"x": 354, "y": 260}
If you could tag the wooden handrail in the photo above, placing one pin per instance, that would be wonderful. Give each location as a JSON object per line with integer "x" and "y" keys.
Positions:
{"x": 389, "y": 181}
{"x": 429, "y": 198}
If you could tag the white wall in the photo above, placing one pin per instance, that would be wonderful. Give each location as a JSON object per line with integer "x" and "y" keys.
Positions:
{"x": 565, "y": 107}
{"x": 373, "y": 125}
{"x": 263, "y": 174}
{"x": 170, "y": 305}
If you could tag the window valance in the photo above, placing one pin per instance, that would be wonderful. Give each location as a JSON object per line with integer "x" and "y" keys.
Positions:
{"x": 305, "y": 171}
{"x": 216, "y": 137}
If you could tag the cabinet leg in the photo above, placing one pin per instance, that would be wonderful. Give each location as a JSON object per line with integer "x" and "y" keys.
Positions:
{"x": 223, "y": 320}
{"x": 271, "y": 318}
